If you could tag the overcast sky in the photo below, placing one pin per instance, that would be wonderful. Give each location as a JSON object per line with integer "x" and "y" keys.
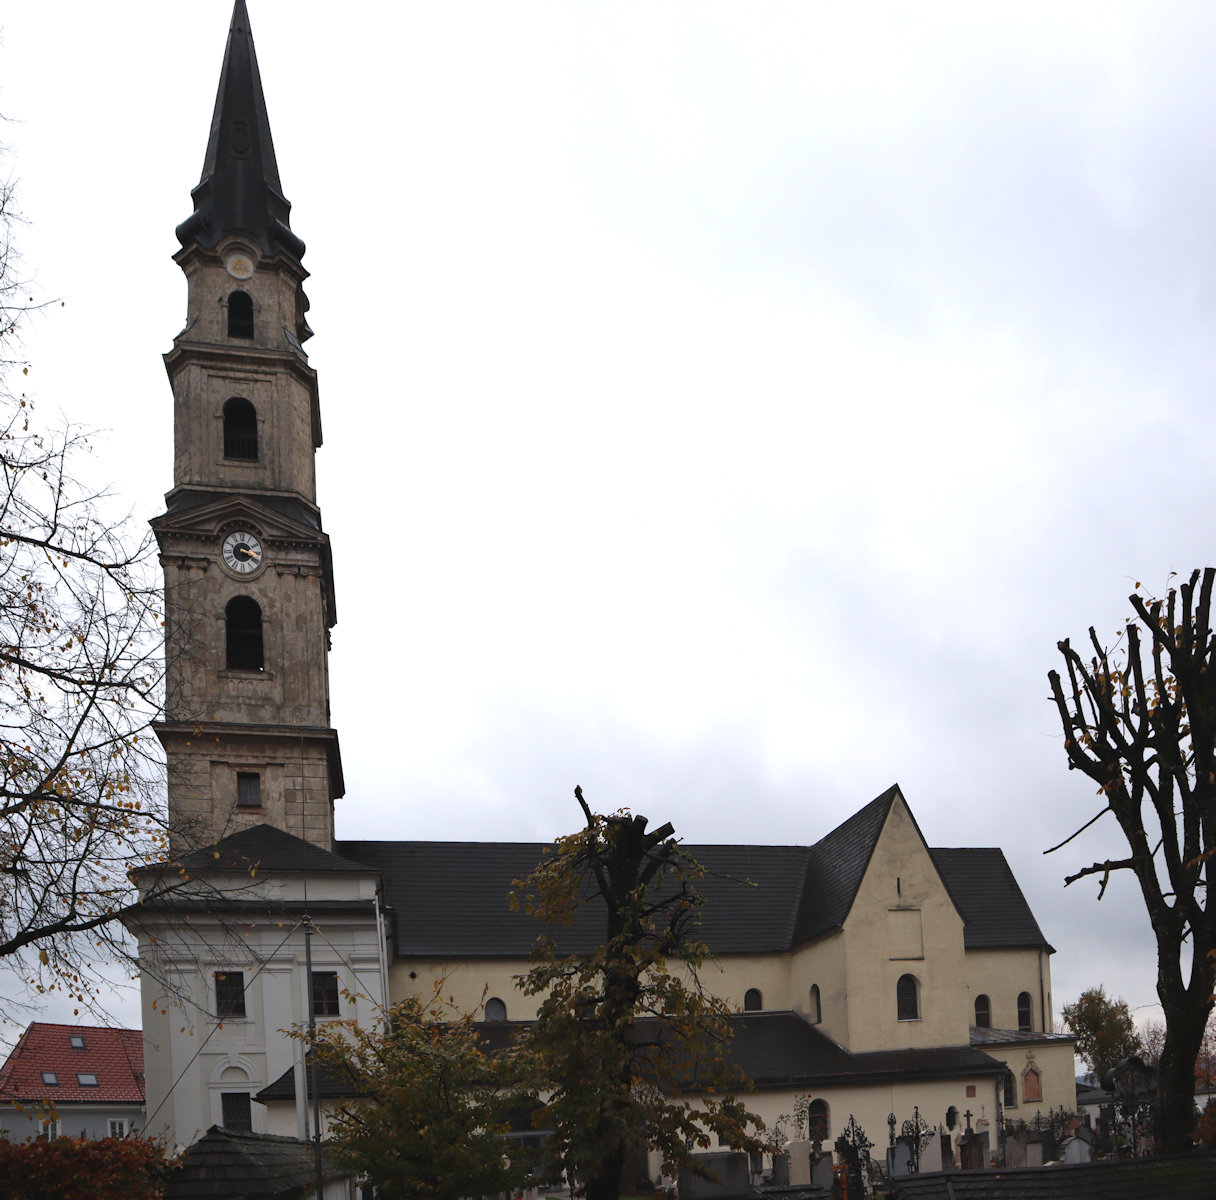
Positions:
{"x": 726, "y": 407}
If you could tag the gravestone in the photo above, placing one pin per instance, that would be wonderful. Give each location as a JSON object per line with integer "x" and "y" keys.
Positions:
{"x": 798, "y": 1152}
{"x": 931, "y": 1155}
{"x": 899, "y": 1159}
{"x": 822, "y": 1172}
{"x": 732, "y": 1170}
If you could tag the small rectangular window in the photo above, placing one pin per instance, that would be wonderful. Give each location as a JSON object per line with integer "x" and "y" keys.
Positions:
{"x": 50, "y": 1078}
{"x": 325, "y": 993}
{"x": 86, "y": 1079}
{"x": 237, "y": 1111}
{"x": 76, "y": 1041}
{"x": 51, "y": 1129}
{"x": 118, "y": 1128}
{"x": 248, "y": 789}
{"x": 229, "y": 994}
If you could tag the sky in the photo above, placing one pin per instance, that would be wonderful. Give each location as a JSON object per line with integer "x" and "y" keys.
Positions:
{"x": 727, "y": 407}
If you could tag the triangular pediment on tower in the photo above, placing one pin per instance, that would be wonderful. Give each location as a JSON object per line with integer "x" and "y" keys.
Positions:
{"x": 197, "y": 521}
{"x": 206, "y": 515}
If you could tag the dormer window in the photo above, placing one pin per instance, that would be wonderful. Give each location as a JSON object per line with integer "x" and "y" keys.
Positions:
{"x": 243, "y": 626}
{"x": 240, "y": 315}
{"x": 240, "y": 430}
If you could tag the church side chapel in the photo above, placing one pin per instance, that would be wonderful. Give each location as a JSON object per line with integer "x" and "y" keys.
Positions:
{"x": 872, "y": 971}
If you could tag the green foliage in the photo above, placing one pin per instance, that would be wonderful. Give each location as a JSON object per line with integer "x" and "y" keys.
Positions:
{"x": 426, "y": 1122}
{"x": 1104, "y": 1029}
{"x": 628, "y": 1048}
{"x": 75, "y": 1169}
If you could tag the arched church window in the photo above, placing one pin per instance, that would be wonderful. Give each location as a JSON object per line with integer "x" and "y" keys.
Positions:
{"x": 818, "y": 1121}
{"x": 816, "y": 1008}
{"x": 907, "y": 1000}
{"x": 240, "y": 315}
{"x": 1024, "y": 1012}
{"x": 752, "y": 1000}
{"x": 240, "y": 429}
{"x": 496, "y": 1010}
{"x": 983, "y": 1012}
{"x": 243, "y": 622}
{"x": 1010, "y": 1097}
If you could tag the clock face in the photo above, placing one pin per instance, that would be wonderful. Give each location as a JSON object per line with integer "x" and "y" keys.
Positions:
{"x": 239, "y": 266}
{"x": 242, "y": 552}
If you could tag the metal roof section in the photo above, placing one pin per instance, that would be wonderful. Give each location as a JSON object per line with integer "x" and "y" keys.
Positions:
{"x": 239, "y": 191}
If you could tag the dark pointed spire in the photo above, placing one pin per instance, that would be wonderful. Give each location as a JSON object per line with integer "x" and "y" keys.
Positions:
{"x": 239, "y": 191}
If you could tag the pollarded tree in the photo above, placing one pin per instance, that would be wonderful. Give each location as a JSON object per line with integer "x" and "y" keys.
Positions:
{"x": 1142, "y": 726}
{"x": 629, "y": 1050}
{"x": 1104, "y": 1029}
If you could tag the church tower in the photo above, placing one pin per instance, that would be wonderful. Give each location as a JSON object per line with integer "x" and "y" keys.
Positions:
{"x": 249, "y": 590}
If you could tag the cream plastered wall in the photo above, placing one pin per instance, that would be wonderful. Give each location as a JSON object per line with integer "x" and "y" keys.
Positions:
{"x": 730, "y": 977}
{"x": 465, "y": 983}
{"x": 1054, "y": 1061}
{"x": 1001, "y": 975}
{"x": 900, "y": 882}
{"x": 822, "y": 963}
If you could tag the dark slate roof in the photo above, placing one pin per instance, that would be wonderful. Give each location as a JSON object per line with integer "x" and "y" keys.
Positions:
{"x": 984, "y": 887}
{"x": 1191, "y": 1177}
{"x": 835, "y": 868}
{"x": 271, "y": 850}
{"x": 239, "y": 191}
{"x": 450, "y": 898}
{"x": 986, "y": 1036}
{"x": 782, "y": 1049}
{"x": 330, "y": 1085}
{"x": 256, "y": 1166}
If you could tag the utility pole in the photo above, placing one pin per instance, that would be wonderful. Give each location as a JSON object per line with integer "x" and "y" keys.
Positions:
{"x": 312, "y": 1058}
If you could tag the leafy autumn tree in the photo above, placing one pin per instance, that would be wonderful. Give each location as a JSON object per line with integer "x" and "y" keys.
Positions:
{"x": 1104, "y": 1029}
{"x": 628, "y": 1048}
{"x": 424, "y": 1120}
{"x": 79, "y": 680}
{"x": 78, "y": 1169}
{"x": 1142, "y": 725}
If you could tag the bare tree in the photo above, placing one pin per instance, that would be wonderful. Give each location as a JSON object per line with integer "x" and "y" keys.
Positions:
{"x": 1142, "y": 726}
{"x": 81, "y": 788}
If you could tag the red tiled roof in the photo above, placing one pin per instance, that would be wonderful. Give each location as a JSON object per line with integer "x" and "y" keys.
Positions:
{"x": 114, "y": 1056}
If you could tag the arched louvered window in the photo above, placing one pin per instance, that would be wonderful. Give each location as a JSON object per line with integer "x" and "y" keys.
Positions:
{"x": 752, "y": 1000}
{"x": 240, "y": 315}
{"x": 240, "y": 429}
{"x": 496, "y": 1010}
{"x": 983, "y": 1012}
{"x": 907, "y": 999}
{"x": 243, "y": 626}
{"x": 816, "y": 1007}
{"x": 1025, "y": 1020}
